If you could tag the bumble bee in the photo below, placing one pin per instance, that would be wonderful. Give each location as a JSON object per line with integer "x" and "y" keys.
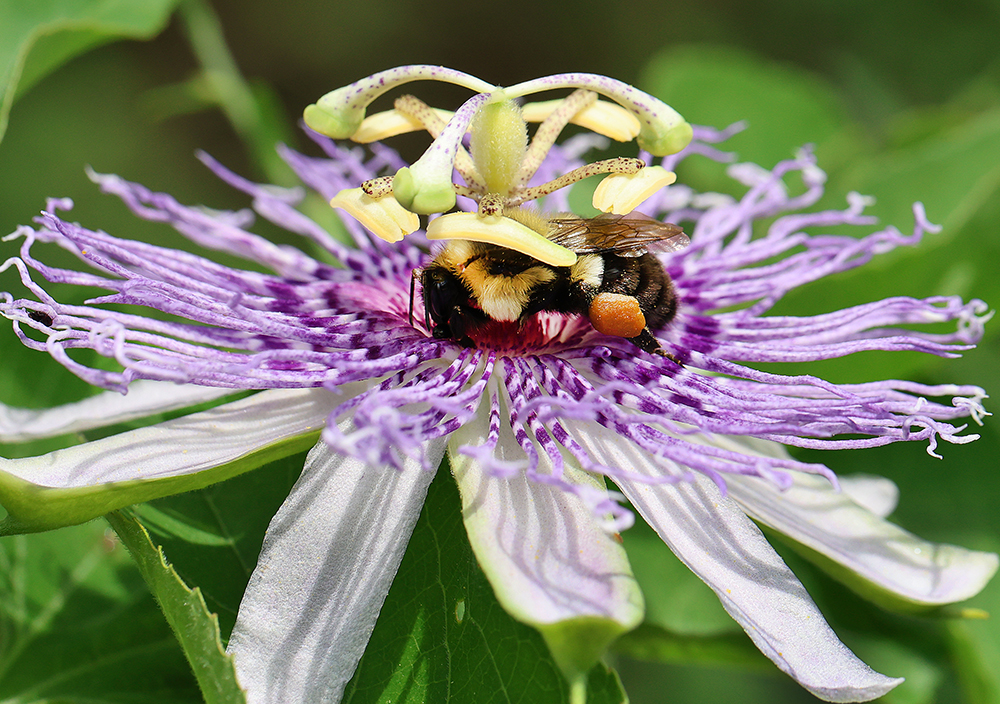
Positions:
{"x": 615, "y": 283}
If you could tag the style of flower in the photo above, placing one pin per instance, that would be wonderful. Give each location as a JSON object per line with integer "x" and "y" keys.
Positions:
{"x": 533, "y": 422}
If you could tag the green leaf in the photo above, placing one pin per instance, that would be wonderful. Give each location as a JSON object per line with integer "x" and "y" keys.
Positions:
{"x": 440, "y": 617}
{"x": 923, "y": 676}
{"x": 197, "y": 629}
{"x": 442, "y": 636}
{"x": 955, "y": 173}
{"x": 74, "y": 616}
{"x": 37, "y": 37}
{"x": 953, "y": 500}
{"x": 952, "y": 166}
{"x": 975, "y": 650}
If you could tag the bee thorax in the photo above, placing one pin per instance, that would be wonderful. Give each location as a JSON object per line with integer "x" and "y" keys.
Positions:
{"x": 588, "y": 270}
{"x": 616, "y": 314}
{"x": 504, "y": 298}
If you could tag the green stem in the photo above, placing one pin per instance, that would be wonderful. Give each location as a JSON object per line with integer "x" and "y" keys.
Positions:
{"x": 230, "y": 89}
{"x": 578, "y": 689}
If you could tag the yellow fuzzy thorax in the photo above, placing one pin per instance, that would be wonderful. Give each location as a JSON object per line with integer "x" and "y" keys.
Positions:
{"x": 502, "y": 298}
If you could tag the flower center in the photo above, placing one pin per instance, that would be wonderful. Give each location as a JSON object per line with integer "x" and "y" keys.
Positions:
{"x": 542, "y": 332}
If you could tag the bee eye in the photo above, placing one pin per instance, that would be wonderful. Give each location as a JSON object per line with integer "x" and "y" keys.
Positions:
{"x": 443, "y": 292}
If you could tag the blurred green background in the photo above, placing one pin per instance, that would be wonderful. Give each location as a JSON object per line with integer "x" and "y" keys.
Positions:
{"x": 902, "y": 102}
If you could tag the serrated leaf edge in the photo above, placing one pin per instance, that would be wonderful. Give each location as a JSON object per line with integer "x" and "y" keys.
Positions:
{"x": 213, "y": 689}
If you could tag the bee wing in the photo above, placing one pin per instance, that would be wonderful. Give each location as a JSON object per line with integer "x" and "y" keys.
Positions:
{"x": 626, "y": 235}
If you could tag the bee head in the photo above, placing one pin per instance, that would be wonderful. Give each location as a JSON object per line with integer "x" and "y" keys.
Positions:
{"x": 450, "y": 308}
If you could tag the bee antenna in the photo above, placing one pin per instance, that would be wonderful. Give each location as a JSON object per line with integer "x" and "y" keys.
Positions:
{"x": 413, "y": 282}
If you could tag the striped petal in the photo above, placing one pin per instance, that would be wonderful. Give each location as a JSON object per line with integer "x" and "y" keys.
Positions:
{"x": 329, "y": 557}
{"x": 714, "y": 538}
{"x": 878, "y": 558}
{"x": 854, "y": 543}
{"x": 551, "y": 564}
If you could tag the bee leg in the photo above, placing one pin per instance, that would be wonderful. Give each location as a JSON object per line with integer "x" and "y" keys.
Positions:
{"x": 442, "y": 332}
{"x": 620, "y": 315}
{"x": 461, "y": 320}
{"x": 672, "y": 358}
{"x": 646, "y": 342}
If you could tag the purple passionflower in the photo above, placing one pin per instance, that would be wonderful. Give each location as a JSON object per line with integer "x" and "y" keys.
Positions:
{"x": 533, "y": 422}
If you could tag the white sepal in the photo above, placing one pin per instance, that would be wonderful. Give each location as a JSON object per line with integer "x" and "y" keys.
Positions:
{"x": 79, "y": 483}
{"x": 181, "y": 446}
{"x": 876, "y": 494}
{"x": 872, "y": 555}
{"x": 891, "y": 559}
{"x": 144, "y": 398}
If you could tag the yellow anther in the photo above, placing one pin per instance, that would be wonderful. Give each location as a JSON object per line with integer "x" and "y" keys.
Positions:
{"x": 502, "y": 231}
{"x": 384, "y": 216}
{"x": 391, "y": 123}
{"x": 622, "y": 193}
{"x": 603, "y": 117}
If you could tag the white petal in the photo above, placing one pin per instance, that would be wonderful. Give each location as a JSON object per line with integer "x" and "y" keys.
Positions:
{"x": 329, "y": 557}
{"x": 542, "y": 549}
{"x": 712, "y": 536}
{"x": 144, "y": 398}
{"x": 876, "y": 494}
{"x": 79, "y": 483}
